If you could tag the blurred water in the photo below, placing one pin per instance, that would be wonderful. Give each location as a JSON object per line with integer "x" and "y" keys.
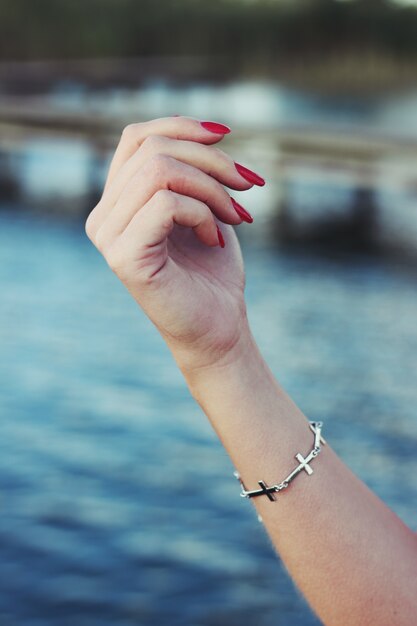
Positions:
{"x": 118, "y": 504}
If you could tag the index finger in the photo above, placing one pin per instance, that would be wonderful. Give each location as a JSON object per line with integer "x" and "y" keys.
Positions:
{"x": 176, "y": 127}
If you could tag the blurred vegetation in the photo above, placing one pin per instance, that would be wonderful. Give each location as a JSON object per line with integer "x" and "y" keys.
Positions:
{"x": 250, "y": 34}
{"x": 32, "y": 29}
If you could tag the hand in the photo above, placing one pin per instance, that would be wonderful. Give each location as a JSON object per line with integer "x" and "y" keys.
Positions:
{"x": 156, "y": 227}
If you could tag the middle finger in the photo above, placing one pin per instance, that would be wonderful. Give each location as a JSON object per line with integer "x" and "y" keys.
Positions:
{"x": 164, "y": 172}
{"x": 209, "y": 159}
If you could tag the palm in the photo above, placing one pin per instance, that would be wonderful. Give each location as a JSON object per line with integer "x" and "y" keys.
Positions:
{"x": 224, "y": 266}
{"x": 200, "y": 289}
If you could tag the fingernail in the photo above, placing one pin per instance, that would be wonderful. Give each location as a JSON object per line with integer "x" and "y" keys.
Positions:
{"x": 246, "y": 217}
{"x": 214, "y": 127}
{"x": 220, "y": 236}
{"x": 250, "y": 176}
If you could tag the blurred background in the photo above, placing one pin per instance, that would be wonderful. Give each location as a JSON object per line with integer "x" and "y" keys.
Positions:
{"x": 118, "y": 504}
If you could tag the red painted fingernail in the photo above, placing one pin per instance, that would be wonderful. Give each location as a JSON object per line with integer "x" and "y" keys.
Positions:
{"x": 214, "y": 127}
{"x": 246, "y": 217}
{"x": 250, "y": 176}
{"x": 220, "y": 236}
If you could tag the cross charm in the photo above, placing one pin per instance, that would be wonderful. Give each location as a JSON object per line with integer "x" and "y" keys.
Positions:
{"x": 304, "y": 463}
{"x": 264, "y": 491}
{"x": 316, "y": 428}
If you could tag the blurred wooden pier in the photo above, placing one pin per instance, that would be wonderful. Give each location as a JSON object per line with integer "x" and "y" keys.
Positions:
{"x": 367, "y": 163}
{"x": 309, "y": 148}
{"x": 30, "y": 117}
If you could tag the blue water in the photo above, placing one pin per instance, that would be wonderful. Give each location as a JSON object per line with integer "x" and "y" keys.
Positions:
{"x": 118, "y": 504}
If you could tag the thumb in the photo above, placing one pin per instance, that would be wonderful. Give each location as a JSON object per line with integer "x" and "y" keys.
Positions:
{"x": 143, "y": 244}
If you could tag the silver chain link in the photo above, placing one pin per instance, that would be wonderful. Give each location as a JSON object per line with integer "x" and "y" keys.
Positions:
{"x": 303, "y": 465}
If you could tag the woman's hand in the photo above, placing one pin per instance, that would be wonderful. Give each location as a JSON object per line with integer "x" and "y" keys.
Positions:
{"x": 166, "y": 181}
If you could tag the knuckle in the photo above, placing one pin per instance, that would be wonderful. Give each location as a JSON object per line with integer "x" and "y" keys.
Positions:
{"x": 88, "y": 227}
{"x": 100, "y": 241}
{"x": 159, "y": 166}
{"x": 130, "y": 132}
{"x": 166, "y": 199}
{"x": 153, "y": 143}
{"x": 165, "y": 196}
{"x": 116, "y": 259}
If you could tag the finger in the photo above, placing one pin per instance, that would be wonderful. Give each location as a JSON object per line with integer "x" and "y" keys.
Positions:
{"x": 209, "y": 159}
{"x": 175, "y": 127}
{"x": 143, "y": 244}
{"x": 162, "y": 172}
{"x": 153, "y": 224}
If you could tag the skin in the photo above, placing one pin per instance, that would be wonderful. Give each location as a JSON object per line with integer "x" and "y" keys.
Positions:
{"x": 352, "y": 557}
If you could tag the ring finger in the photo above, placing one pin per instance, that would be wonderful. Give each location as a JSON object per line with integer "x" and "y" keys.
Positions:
{"x": 164, "y": 172}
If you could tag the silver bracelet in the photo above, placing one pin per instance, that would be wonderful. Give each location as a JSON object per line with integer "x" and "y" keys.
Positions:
{"x": 303, "y": 465}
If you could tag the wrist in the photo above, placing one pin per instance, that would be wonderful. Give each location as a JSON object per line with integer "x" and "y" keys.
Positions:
{"x": 250, "y": 412}
{"x": 212, "y": 350}
{"x": 240, "y": 367}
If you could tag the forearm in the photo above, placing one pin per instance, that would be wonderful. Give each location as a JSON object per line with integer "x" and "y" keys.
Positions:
{"x": 351, "y": 556}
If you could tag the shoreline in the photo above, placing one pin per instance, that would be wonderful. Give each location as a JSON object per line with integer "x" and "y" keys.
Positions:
{"x": 365, "y": 74}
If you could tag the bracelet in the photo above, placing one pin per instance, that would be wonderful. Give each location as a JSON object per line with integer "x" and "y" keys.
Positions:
{"x": 303, "y": 465}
